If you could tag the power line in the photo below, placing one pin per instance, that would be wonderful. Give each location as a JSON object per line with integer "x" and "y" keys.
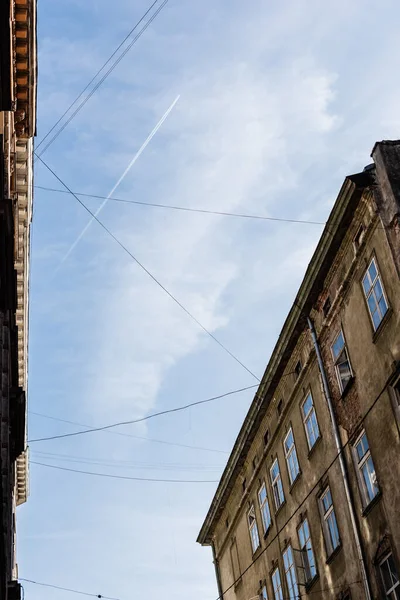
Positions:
{"x": 104, "y": 462}
{"x": 101, "y": 81}
{"x": 114, "y": 237}
{"x": 146, "y": 418}
{"x": 33, "y": 462}
{"x": 298, "y": 507}
{"x": 136, "y": 437}
{"x": 65, "y": 589}
{"x": 183, "y": 208}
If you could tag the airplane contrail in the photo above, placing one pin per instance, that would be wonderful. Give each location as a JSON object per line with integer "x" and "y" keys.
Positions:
{"x": 124, "y": 174}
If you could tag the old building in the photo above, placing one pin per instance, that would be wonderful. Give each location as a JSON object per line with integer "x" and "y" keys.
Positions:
{"x": 18, "y": 65}
{"x": 308, "y": 504}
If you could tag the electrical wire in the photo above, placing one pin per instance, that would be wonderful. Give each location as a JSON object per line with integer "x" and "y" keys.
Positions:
{"x": 114, "y": 237}
{"x": 101, "y": 81}
{"x": 184, "y": 208}
{"x": 146, "y": 418}
{"x": 65, "y": 589}
{"x": 57, "y": 587}
{"x": 106, "y": 462}
{"x": 33, "y": 462}
{"x": 136, "y": 437}
{"x": 298, "y": 507}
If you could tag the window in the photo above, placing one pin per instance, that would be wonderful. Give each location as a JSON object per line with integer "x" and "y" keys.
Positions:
{"x": 276, "y": 482}
{"x": 373, "y": 290}
{"x": 253, "y": 529}
{"x": 280, "y": 407}
{"x": 342, "y": 362}
{"x": 290, "y": 573}
{"x": 254, "y": 463}
{"x": 277, "y": 585}
{"x": 291, "y": 456}
{"x": 307, "y": 554}
{"x": 264, "y": 507}
{"x": 227, "y": 523}
{"x": 390, "y": 578}
{"x": 298, "y": 368}
{"x": 329, "y": 523}
{"x": 366, "y": 469}
{"x": 244, "y": 485}
{"x": 264, "y": 593}
{"x": 310, "y": 421}
{"x": 327, "y": 306}
{"x": 266, "y": 438}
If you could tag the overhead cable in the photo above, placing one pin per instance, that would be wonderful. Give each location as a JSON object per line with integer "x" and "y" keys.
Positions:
{"x": 184, "y": 208}
{"x": 136, "y": 437}
{"x": 125, "y": 249}
{"x": 33, "y": 462}
{"x": 104, "y": 77}
{"x": 141, "y": 419}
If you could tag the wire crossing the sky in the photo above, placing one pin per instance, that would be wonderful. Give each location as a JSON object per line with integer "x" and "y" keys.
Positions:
{"x": 101, "y": 81}
{"x": 33, "y": 462}
{"x": 137, "y": 261}
{"x": 184, "y": 208}
{"x": 152, "y": 416}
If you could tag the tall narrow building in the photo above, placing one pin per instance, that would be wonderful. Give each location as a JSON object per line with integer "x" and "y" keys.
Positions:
{"x": 308, "y": 504}
{"x": 18, "y": 68}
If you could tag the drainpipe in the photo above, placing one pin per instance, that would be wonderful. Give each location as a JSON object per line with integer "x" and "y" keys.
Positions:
{"x": 217, "y": 573}
{"x": 339, "y": 448}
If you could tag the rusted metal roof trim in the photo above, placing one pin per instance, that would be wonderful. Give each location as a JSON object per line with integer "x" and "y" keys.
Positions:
{"x": 309, "y": 290}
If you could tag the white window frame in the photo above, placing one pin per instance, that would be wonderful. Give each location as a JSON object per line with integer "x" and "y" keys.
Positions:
{"x": 277, "y": 486}
{"x": 277, "y": 584}
{"x": 337, "y": 360}
{"x": 290, "y": 573}
{"x": 306, "y": 548}
{"x": 264, "y": 508}
{"x": 371, "y": 291}
{"x": 360, "y": 463}
{"x": 292, "y": 460}
{"x": 307, "y": 417}
{"x": 253, "y": 528}
{"x": 389, "y": 592}
{"x": 326, "y": 516}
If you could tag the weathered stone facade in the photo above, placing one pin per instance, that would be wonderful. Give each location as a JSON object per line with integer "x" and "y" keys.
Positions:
{"x": 344, "y": 491}
{"x": 18, "y": 65}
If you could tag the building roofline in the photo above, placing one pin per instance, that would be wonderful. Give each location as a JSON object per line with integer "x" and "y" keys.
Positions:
{"x": 331, "y": 238}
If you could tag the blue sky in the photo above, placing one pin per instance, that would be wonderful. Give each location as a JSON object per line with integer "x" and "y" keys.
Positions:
{"x": 278, "y": 102}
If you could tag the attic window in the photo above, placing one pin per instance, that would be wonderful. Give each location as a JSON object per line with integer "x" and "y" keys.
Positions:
{"x": 280, "y": 407}
{"x": 244, "y": 485}
{"x": 358, "y": 238}
{"x": 266, "y": 438}
{"x": 298, "y": 368}
{"x": 327, "y": 306}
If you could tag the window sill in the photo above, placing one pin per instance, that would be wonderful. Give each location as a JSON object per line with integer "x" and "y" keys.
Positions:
{"x": 348, "y": 387}
{"x": 278, "y": 510}
{"x": 382, "y": 325}
{"x": 298, "y": 476}
{"x": 312, "y": 450}
{"x": 333, "y": 554}
{"x": 371, "y": 505}
{"x": 310, "y": 584}
{"x": 266, "y": 534}
{"x": 256, "y": 551}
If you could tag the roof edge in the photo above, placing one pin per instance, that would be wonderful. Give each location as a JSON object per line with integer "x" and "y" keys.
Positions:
{"x": 332, "y": 235}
